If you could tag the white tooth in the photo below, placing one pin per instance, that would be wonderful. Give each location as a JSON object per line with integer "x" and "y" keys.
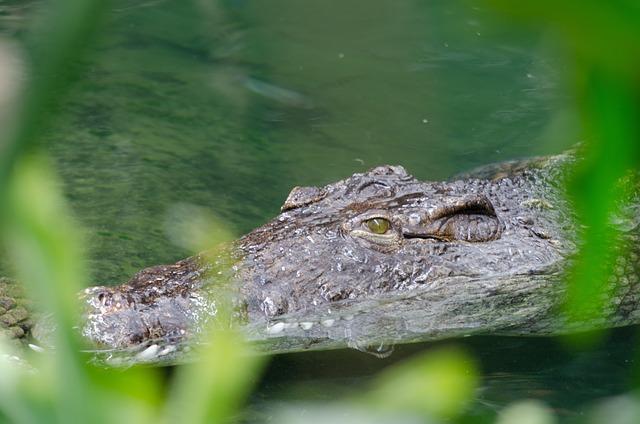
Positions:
{"x": 167, "y": 350}
{"x": 275, "y": 328}
{"x": 348, "y": 317}
{"x": 328, "y": 322}
{"x": 36, "y": 348}
{"x": 149, "y": 353}
{"x": 290, "y": 325}
{"x": 306, "y": 325}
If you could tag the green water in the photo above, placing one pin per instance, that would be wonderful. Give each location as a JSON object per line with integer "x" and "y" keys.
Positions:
{"x": 229, "y": 104}
{"x": 570, "y": 383}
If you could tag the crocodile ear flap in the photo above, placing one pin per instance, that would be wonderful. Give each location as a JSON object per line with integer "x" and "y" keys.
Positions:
{"x": 302, "y": 196}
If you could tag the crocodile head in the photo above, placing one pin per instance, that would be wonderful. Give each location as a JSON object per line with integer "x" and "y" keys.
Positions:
{"x": 379, "y": 257}
{"x": 400, "y": 259}
{"x": 385, "y": 232}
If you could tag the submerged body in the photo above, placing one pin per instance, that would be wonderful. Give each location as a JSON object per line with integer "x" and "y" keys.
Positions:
{"x": 378, "y": 258}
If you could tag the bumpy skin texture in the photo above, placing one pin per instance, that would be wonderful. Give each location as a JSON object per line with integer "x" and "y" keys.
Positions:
{"x": 379, "y": 257}
{"x": 323, "y": 252}
{"x": 15, "y": 317}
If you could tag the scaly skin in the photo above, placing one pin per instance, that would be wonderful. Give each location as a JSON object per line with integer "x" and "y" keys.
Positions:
{"x": 14, "y": 310}
{"x": 481, "y": 254}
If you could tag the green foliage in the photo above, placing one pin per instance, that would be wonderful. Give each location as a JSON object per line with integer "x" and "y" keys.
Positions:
{"x": 60, "y": 37}
{"x": 212, "y": 389}
{"x": 437, "y": 384}
{"x": 602, "y": 37}
{"x": 47, "y": 252}
{"x": 526, "y": 412}
{"x": 603, "y": 40}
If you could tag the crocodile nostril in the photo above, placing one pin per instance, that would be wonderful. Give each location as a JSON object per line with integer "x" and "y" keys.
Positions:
{"x": 415, "y": 219}
{"x": 104, "y": 299}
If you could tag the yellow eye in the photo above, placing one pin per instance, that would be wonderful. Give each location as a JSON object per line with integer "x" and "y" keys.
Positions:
{"x": 378, "y": 225}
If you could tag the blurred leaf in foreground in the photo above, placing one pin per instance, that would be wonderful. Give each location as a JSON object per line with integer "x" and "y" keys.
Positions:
{"x": 624, "y": 409}
{"x": 54, "y": 46}
{"x": 431, "y": 387}
{"x": 437, "y": 384}
{"x": 602, "y": 39}
{"x": 46, "y": 249}
{"x": 196, "y": 228}
{"x": 46, "y": 246}
{"x": 212, "y": 388}
{"x": 526, "y": 412}
{"x": 47, "y": 252}
{"x": 339, "y": 413}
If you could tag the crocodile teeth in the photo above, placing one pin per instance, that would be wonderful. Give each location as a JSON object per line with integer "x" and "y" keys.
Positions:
{"x": 36, "y": 348}
{"x": 167, "y": 350}
{"x": 328, "y": 322}
{"x": 275, "y": 328}
{"x": 149, "y": 353}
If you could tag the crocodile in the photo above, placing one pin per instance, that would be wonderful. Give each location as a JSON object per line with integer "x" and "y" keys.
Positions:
{"x": 373, "y": 260}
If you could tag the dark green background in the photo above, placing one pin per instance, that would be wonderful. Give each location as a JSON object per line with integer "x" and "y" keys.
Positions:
{"x": 229, "y": 104}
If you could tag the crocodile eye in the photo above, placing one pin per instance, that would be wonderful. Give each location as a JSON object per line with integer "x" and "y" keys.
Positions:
{"x": 378, "y": 225}
{"x": 375, "y": 229}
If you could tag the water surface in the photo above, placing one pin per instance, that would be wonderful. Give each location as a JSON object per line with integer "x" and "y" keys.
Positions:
{"x": 229, "y": 104}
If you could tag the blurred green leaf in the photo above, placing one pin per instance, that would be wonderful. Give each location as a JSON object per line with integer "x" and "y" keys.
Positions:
{"x": 609, "y": 109}
{"x": 603, "y": 40}
{"x": 43, "y": 240}
{"x": 623, "y": 409}
{"x": 605, "y": 32}
{"x": 526, "y": 412}
{"x": 436, "y": 384}
{"x": 211, "y": 390}
{"x": 46, "y": 245}
{"x": 343, "y": 413}
{"x": 46, "y": 248}
{"x": 196, "y": 228}
{"x": 54, "y": 48}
